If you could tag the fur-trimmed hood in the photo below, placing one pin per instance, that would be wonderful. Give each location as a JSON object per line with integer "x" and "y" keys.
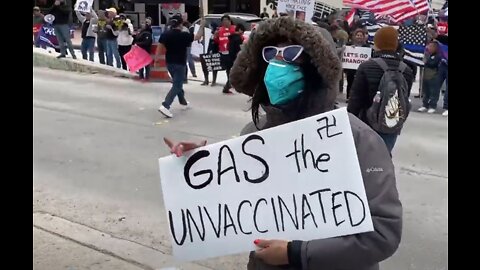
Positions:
{"x": 246, "y": 73}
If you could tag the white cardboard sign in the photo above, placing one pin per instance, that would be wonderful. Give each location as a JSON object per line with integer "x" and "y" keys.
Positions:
{"x": 354, "y": 56}
{"x": 83, "y": 5}
{"x": 197, "y": 46}
{"x": 298, "y": 181}
{"x": 298, "y": 9}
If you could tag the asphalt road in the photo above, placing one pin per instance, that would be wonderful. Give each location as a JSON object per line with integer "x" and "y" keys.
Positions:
{"x": 97, "y": 140}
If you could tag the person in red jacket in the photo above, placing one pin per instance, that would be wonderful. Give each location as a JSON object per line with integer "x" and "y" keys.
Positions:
{"x": 221, "y": 38}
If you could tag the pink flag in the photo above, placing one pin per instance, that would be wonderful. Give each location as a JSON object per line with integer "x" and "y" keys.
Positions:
{"x": 137, "y": 58}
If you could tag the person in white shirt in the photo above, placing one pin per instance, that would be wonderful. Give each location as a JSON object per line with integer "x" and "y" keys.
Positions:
{"x": 125, "y": 38}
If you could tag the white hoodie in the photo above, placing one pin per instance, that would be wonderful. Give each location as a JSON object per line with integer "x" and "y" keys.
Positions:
{"x": 125, "y": 37}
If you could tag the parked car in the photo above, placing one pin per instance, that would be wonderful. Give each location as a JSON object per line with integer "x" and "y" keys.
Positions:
{"x": 248, "y": 20}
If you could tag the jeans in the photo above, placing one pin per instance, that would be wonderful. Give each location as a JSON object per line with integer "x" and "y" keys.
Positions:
{"x": 112, "y": 51}
{"x": 390, "y": 140}
{"x": 102, "y": 49}
{"x": 443, "y": 76}
{"x": 62, "y": 31}
{"x": 124, "y": 50}
{"x": 350, "y": 78}
{"x": 431, "y": 92}
{"x": 88, "y": 45}
{"x": 178, "y": 75}
{"x": 144, "y": 73}
{"x": 227, "y": 64}
{"x": 205, "y": 74}
{"x": 191, "y": 63}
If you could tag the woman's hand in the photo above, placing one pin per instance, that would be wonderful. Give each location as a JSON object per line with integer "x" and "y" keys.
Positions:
{"x": 273, "y": 252}
{"x": 180, "y": 148}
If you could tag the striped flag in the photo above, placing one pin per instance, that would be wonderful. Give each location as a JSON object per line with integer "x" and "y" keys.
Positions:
{"x": 445, "y": 5}
{"x": 373, "y": 28}
{"x": 420, "y": 7}
{"x": 350, "y": 16}
{"x": 398, "y": 10}
{"x": 412, "y": 37}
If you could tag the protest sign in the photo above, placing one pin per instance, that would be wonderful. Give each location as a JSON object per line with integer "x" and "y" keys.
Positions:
{"x": 354, "y": 56}
{"x": 47, "y": 37}
{"x": 299, "y": 9}
{"x": 137, "y": 58}
{"x": 197, "y": 46}
{"x": 84, "y": 5}
{"x": 211, "y": 61}
{"x": 300, "y": 180}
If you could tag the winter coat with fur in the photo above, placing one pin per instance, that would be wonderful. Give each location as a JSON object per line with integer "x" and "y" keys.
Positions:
{"x": 354, "y": 252}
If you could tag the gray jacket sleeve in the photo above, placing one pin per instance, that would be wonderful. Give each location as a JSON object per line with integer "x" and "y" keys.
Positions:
{"x": 364, "y": 250}
{"x": 80, "y": 17}
{"x": 94, "y": 14}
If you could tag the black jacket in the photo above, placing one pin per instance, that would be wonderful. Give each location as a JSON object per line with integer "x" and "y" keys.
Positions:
{"x": 61, "y": 13}
{"x": 234, "y": 45}
{"x": 212, "y": 46}
{"x": 432, "y": 62}
{"x": 144, "y": 39}
{"x": 367, "y": 80}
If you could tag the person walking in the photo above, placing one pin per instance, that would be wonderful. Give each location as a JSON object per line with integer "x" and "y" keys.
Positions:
{"x": 175, "y": 43}
{"x": 88, "y": 21}
{"x": 61, "y": 11}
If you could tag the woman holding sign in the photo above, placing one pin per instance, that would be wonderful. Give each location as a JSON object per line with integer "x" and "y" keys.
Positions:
{"x": 304, "y": 58}
{"x": 358, "y": 40}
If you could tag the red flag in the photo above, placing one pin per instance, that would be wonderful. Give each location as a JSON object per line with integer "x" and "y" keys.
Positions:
{"x": 398, "y": 10}
{"x": 350, "y": 16}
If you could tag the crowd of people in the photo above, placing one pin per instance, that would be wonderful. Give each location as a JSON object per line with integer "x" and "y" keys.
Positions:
{"x": 292, "y": 70}
{"x": 114, "y": 36}
{"x": 435, "y": 63}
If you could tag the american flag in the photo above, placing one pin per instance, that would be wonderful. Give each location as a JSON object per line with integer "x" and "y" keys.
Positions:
{"x": 366, "y": 15}
{"x": 349, "y": 17}
{"x": 398, "y": 10}
{"x": 420, "y": 7}
{"x": 445, "y": 6}
{"x": 413, "y": 38}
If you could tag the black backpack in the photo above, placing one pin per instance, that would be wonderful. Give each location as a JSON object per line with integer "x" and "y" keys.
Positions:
{"x": 391, "y": 104}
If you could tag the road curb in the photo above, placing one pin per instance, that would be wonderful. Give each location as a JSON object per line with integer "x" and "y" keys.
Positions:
{"x": 43, "y": 58}
{"x": 143, "y": 256}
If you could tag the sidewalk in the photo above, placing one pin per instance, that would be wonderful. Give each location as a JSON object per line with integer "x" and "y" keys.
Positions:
{"x": 63, "y": 244}
{"x": 52, "y": 252}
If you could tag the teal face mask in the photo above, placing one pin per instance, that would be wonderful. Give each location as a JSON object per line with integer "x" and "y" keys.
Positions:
{"x": 284, "y": 82}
